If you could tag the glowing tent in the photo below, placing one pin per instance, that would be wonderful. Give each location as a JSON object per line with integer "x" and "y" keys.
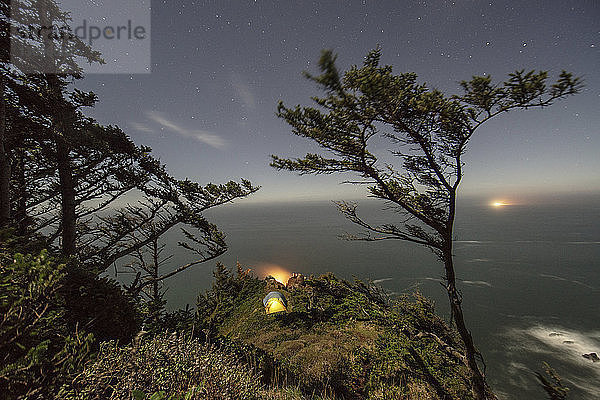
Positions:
{"x": 274, "y": 302}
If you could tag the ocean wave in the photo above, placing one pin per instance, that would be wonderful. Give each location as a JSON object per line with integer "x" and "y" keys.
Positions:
{"x": 477, "y": 283}
{"x": 428, "y": 278}
{"x": 382, "y": 280}
{"x": 578, "y": 242}
{"x": 560, "y": 278}
{"x": 558, "y": 343}
{"x": 466, "y": 282}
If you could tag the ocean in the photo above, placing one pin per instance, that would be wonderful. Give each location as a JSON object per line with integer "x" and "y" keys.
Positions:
{"x": 529, "y": 274}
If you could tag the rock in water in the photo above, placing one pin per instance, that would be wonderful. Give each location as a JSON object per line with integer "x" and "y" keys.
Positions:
{"x": 592, "y": 356}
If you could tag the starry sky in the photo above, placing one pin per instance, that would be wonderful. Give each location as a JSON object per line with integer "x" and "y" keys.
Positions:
{"x": 219, "y": 68}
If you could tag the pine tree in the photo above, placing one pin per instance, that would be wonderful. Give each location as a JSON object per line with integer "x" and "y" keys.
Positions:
{"x": 429, "y": 133}
{"x": 65, "y": 170}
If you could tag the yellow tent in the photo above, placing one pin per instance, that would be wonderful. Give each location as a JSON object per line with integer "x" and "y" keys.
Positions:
{"x": 275, "y": 302}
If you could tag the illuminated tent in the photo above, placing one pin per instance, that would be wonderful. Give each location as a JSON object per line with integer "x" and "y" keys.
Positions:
{"x": 274, "y": 302}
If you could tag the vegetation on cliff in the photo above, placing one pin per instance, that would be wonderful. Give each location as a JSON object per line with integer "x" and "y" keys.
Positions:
{"x": 338, "y": 340}
{"x": 344, "y": 338}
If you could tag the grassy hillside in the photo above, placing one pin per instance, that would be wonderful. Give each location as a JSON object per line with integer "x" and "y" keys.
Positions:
{"x": 347, "y": 340}
{"x": 338, "y": 340}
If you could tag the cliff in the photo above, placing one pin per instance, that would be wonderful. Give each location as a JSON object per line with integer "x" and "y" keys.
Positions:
{"x": 342, "y": 339}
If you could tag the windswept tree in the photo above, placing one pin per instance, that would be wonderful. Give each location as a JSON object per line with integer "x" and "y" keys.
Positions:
{"x": 38, "y": 64}
{"x": 428, "y": 133}
{"x": 136, "y": 229}
{"x": 62, "y": 174}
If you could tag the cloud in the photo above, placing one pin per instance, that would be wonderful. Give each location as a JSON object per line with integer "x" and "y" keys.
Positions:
{"x": 141, "y": 127}
{"x": 163, "y": 122}
{"x": 243, "y": 91}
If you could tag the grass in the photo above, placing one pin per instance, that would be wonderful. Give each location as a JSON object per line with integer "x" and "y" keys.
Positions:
{"x": 338, "y": 340}
{"x": 347, "y": 339}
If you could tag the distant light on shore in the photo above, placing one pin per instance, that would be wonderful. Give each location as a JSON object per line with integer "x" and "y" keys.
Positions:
{"x": 500, "y": 203}
{"x": 276, "y": 271}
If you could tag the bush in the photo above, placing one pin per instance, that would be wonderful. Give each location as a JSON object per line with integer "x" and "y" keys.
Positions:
{"x": 37, "y": 351}
{"x": 99, "y": 305}
{"x": 174, "y": 364}
{"x": 343, "y": 338}
{"x": 51, "y": 315}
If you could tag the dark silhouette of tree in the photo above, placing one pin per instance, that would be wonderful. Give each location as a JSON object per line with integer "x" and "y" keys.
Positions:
{"x": 66, "y": 172}
{"x": 429, "y": 132}
{"x": 63, "y": 166}
{"x": 37, "y": 72}
{"x": 63, "y": 182}
{"x": 136, "y": 231}
{"x": 146, "y": 266}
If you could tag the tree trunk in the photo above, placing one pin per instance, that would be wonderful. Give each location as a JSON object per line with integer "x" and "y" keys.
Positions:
{"x": 67, "y": 192}
{"x": 4, "y": 163}
{"x": 156, "y": 300}
{"x": 21, "y": 219}
{"x": 61, "y": 125}
{"x": 479, "y": 385}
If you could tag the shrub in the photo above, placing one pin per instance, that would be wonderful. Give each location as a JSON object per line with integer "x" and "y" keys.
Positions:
{"x": 37, "y": 351}
{"x": 168, "y": 364}
{"x": 344, "y": 338}
{"x": 552, "y": 384}
{"x": 98, "y": 305}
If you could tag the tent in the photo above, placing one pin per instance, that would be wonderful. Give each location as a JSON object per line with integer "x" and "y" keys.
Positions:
{"x": 275, "y": 302}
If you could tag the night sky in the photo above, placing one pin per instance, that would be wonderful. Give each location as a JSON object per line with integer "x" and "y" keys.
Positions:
{"x": 219, "y": 68}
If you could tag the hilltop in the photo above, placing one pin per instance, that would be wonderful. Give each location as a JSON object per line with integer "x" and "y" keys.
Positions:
{"x": 346, "y": 339}
{"x": 337, "y": 340}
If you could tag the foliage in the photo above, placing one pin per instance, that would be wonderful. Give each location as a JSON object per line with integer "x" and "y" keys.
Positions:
{"x": 340, "y": 340}
{"x": 61, "y": 175}
{"x": 162, "y": 395}
{"x": 177, "y": 365}
{"x": 99, "y": 306}
{"x": 219, "y": 301}
{"x": 62, "y": 172}
{"x": 552, "y": 384}
{"x": 182, "y": 320}
{"x": 38, "y": 351}
{"x": 426, "y": 134}
{"x": 346, "y": 339}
